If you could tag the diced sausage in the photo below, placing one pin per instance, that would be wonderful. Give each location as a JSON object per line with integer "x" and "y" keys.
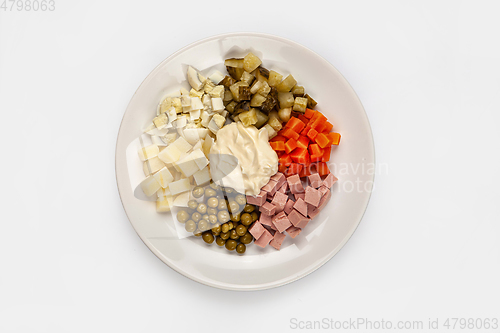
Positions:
{"x": 295, "y": 184}
{"x": 279, "y": 200}
{"x": 314, "y": 180}
{"x": 289, "y": 206}
{"x": 297, "y": 219}
{"x": 330, "y": 180}
{"x": 281, "y": 222}
{"x": 270, "y": 187}
{"x": 264, "y": 239}
{"x": 312, "y": 196}
{"x": 258, "y": 200}
{"x": 301, "y": 206}
{"x": 293, "y": 231}
{"x": 268, "y": 209}
{"x": 277, "y": 240}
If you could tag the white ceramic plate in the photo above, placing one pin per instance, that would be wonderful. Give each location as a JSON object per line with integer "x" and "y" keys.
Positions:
{"x": 352, "y": 162}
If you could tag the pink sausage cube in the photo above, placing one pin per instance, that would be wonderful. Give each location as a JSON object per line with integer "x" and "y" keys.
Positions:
{"x": 270, "y": 187}
{"x": 299, "y": 195}
{"x": 283, "y": 188}
{"x": 264, "y": 239}
{"x": 256, "y": 230}
{"x": 312, "y": 196}
{"x": 281, "y": 221}
{"x": 266, "y": 220}
{"x": 293, "y": 231}
{"x": 268, "y": 209}
{"x": 279, "y": 200}
{"x": 323, "y": 189}
{"x": 312, "y": 212}
{"x": 295, "y": 184}
{"x": 301, "y": 206}
{"x": 258, "y": 200}
{"x": 277, "y": 240}
{"x": 279, "y": 178}
{"x": 297, "y": 219}
{"x": 314, "y": 180}
{"x": 324, "y": 200}
{"x": 289, "y": 206}
{"x": 330, "y": 180}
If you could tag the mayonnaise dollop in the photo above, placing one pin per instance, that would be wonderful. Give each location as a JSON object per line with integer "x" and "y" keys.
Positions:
{"x": 255, "y": 160}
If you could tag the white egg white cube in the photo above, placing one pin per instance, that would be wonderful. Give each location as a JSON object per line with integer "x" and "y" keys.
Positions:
{"x": 216, "y": 77}
{"x": 217, "y": 104}
{"x": 194, "y": 115}
{"x": 196, "y": 103}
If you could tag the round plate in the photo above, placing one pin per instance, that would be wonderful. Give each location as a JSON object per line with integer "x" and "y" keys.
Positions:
{"x": 352, "y": 162}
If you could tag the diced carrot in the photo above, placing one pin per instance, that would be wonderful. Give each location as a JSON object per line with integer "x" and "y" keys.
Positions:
{"x": 322, "y": 168}
{"x": 289, "y": 133}
{"x": 309, "y": 113}
{"x": 305, "y": 130}
{"x": 334, "y": 138}
{"x": 326, "y": 154}
{"x": 295, "y": 124}
{"x": 312, "y": 133}
{"x": 322, "y": 140}
{"x": 278, "y": 145}
{"x": 282, "y": 168}
{"x": 328, "y": 127}
{"x": 294, "y": 169}
{"x": 303, "y": 119}
{"x": 278, "y": 138}
{"x": 285, "y": 160}
{"x": 314, "y": 149}
{"x": 290, "y": 145}
{"x": 280, "y": 153}
{"x": 300, "y": 156}
{"x": 318, "y": 123}
{"x": 303, "y": 142}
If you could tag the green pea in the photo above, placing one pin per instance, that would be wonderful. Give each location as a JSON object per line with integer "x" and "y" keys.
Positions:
{"x": 190, "y": 226}
{"x": 241, "y": 248}
{"x": 234, "y": 207}
{"x": 192, "y": 204}
{"x": 254, "y": 216}
{"x": 211, "y": 211}
{"x": 222, "y": 205}
{"x": 246, "y": 219}
{"x": 223, "y": 216}
{"x": 241, "y": 230}
{"x": 182, "y": 216}
{"x": 224, "y": 235}
{"x": 231, "y": 244}
{"x": 212, "y": 219}
{"x": 219, "y": 241}
{"x": 210, "y": 192}
{"x": 247, "y": 238}
{"x": 198, "y": 192}
{"x": 196, "y": 216}
{"x": 235, "y": 217}
{"x": 241, "y": 199}
{"x": 217, "y": 229}
{"x": 225, "y": 228}
{"x": 213, "y": 202}
{"x": 208, "y": 237}
{"x": 202, "y": 208}
{"x": 233, "y": 235}
{"x": 203, "y": 225}
{"x": 249, "y": 208}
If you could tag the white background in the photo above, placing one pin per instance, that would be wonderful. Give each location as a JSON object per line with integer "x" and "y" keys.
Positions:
{"x": 428, "y": 75}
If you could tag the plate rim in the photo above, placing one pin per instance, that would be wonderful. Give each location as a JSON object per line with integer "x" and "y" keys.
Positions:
{"x": 279, "y": 283}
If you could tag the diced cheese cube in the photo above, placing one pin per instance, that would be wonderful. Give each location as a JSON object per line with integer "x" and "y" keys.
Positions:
{"x": 161, "y": 121}
{"x": 170, "y": 154}
{"x": 199, "y": 158}
{"x": 153, "y": 165}
{"x": 196, "y": 104}
{"x": 164, "y": 204}
{"x": 176, "y": 187}
{"x": 148, "y": 152}
{"x": 187, "y": 166}
{"x": 182, "y": 145}
{"x": 202, "y": 176}
{"x": 217, "y": 104}
{"x": 164, "y": 177}
{"x": 205, "y": 118}
{"x": 194, "y": 115}
{"x": 216, "y": 77}
{"x": 150, "y": 186}
{"x": 217, "y": 92}
{"x": 195, "y": 93}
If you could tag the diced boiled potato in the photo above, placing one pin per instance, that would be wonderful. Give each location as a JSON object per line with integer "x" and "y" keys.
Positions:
{"x": 208, "y": 86}
{"x": 153, "y": 165}
{"x": 311, "y": 103}
{"x": 285, "y": 114}
{"x": 179, "y": 186}
{"x": 248, "y": 118}
{"x": 230, "y": 106}
{"x": 202, "y": 133}
{"x": 224, "y": 114}
{"x": 180, "y": 122}
{"x": 300, "y": 104}
{"x": 161, "y": 121}
{"x": 287, "y": 84}
{"x": 199, "y": 158}
{"x": 148, "y": 152}
{"x": 199, "y": 144}
{"x": 195, "y": 93}
{"x": 270, "y": 130}
{"x": 187, "y": 165}
{"x": 261, "y": 119}
{"x": 274, "y": 121}
{"x": 235, "y": 90}
{"x": 202, "y": 176}
{"x": 194, "y": 115}
{"x": 150, "y": 129}
{"x": 182, "y": 199}
{"x": 285, "y": 99}
{"x": 201, "y": 78}
{"x": 206, "y": 100}
{"x": 257, "y": 100}
{"x": 216, "y": 77}
{"x": 274, "y": 78}
{"x": 169, "y": 137}
{"x": 217, "y": 104}
{"x": 170, "y": 154}
{"x": 217, "y": 92}
{"x": 150, "y": 186}
{"x": 261, "y": 74}
{"x": 247, "y": 78}
{"x": 164, "y": 177}
{"x": 205, "y": 118}
{"x": 298, "y": 91}
{"x": 164, "y": 204}
{"x": 228, "y": 96}
{"x": 251, "y": 62}
{"x": 181, "y": 144}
